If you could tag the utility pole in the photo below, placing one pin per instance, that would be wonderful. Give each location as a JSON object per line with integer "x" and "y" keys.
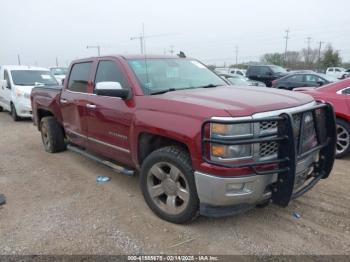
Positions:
{"x": 19, "y": 59}
{"x": 285, "y": 49}
{"x": 308, "y": 49}
{"x": 98, "y": 47}
{"x": 236, "y": 55}
{"x": 141, "y": 38}
{"x": 56, "y": 61}
{"x": 319, "y": 54}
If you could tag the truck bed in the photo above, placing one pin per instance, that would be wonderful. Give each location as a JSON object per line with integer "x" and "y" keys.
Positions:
{"x": 46, "y": 99}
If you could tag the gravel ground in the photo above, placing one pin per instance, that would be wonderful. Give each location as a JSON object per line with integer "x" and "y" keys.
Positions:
{"x": 55, "y": 206}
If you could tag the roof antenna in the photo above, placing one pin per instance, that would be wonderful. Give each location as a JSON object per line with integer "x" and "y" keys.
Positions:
{"x": 144, "y": 51}
{"x": 181, "y": 54}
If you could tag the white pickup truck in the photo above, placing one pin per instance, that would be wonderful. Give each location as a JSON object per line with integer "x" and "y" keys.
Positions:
{"x": 16, "y": 83}
{"x": 338, "y": 72}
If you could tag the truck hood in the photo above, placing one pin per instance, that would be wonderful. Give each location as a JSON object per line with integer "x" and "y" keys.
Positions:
{"x": 239, "y": 101}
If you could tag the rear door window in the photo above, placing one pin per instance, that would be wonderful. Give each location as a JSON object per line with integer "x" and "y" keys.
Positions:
{"x": 265, "y": 70}
{"x": 295, "y": 78}
{"x": 79, "y": 77}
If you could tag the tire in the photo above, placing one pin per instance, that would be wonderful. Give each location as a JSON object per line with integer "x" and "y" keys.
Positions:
{"x": 169, "y": 171}
{"x": 1, "y": 109}
{"x": 343, "y": 138}
{"x": 52, "y": 135}
{"x": 13, "y": 113}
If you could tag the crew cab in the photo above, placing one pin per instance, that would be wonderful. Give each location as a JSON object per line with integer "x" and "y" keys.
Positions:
{"x": 16, "y": 83}
{"x": 199, "y": 145}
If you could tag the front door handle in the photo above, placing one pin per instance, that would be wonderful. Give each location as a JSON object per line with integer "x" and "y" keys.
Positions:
{"x": 63, "y": 101}
{"x": 91, "y": 106}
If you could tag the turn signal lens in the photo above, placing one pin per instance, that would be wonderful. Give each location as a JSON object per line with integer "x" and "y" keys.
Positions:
{"x": 219, "y": 129}
{"x": 218, "y": 150}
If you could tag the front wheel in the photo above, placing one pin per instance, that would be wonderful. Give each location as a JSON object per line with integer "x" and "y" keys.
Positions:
{"x": 343, "y": 138}
{"x": 168, "y": 185}
{"x": 13, "y": 112}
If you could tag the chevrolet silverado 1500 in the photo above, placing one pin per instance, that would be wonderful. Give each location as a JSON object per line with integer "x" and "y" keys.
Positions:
{"x": 199, "y": 145}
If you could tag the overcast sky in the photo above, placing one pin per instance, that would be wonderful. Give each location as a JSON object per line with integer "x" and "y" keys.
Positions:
{"x": 41, "y": 30}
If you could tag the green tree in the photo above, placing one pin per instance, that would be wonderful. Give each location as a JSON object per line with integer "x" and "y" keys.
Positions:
{"x": 330, "y": 57}
{"x": 273, "y": 58}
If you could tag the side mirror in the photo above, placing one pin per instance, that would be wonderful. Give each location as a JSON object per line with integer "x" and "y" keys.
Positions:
{"x": 113, "y": 89}
{"x": 320, "y": 83}
{"x": 7, "y": 84}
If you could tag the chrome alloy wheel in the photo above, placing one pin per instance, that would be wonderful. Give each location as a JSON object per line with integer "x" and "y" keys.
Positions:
{"x": 168, "y": 188}
{"x": 343, "y": 139}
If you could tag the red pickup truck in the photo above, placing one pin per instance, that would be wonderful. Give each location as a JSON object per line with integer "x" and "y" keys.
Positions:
{"x": 199, "y": 145}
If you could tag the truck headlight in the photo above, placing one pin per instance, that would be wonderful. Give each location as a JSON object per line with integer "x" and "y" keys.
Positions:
{"x": 233, "y": 152}
{"x": 234, "y": 131}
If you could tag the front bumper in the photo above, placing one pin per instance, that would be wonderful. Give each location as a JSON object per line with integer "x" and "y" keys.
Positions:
{"x": 281, "y": 179}
{"x": 23, "y": 107}
{"x": 250, "y": 190}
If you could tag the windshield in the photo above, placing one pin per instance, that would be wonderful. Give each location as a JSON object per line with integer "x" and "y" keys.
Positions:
{"x": 278, "y": 69}
{"x": 59, "y": 71}
{"x": 33, "y": 78}
{"x": 173, "y": 74}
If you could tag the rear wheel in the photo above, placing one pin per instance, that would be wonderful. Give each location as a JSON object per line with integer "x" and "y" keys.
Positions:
{"x": 13, "y": 112}
{"x": 343, "y": 138}
{"x": 52, "y": 135}
{"x": 1, "y": 109}
{"x": 168, "y": 186}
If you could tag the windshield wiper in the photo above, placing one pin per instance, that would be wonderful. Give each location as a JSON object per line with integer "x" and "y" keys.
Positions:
{"x": 208, "y": 86}
{"x": 163, "y": 91}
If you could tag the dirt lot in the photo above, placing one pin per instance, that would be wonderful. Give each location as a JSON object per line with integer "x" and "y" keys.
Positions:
{"x": 54, "y": 206}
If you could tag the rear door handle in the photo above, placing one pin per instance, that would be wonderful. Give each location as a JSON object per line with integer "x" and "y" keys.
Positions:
{"x": 63, "y": 101}
{"x": 91, "y": 106}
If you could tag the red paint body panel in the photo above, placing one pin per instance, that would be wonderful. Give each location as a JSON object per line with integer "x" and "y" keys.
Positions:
{"x": 177, "y": 115}
{"x": 328, "y": 93}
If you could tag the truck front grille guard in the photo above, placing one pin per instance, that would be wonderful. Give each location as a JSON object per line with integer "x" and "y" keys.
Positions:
{"x": 289, "y": 150}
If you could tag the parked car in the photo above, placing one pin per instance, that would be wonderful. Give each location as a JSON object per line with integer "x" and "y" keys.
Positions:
{"x": 338, "y": 94}
{"x": 230, "y": 71}
{"x": 265, "y": 73}
{"x": 294, "y": 80}
{"x": 199, "y": 145}
{"x": 337, "y": 72}
{"x": 238, "y": 80}
{"x": 16, "y": 85}
{"x": 59, "y": 73}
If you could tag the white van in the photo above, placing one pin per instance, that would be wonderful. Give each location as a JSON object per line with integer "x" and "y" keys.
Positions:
{"x": 16, "y": 83}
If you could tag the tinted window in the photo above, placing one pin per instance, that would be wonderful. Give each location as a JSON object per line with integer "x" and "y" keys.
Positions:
{"x": 108, "y": 71}
{"x": 295, "y": 78}
{"x": 79, "y": 77}
{"x": 313, "y": 79}
{"x": 254, "y": 70}
{"x": 337, "y": 70}
{"x": 265, "y": 70}
{"x": 346, "y": 91}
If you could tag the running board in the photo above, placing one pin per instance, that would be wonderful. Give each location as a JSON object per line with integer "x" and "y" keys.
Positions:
{"x": 120, "y": 169}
